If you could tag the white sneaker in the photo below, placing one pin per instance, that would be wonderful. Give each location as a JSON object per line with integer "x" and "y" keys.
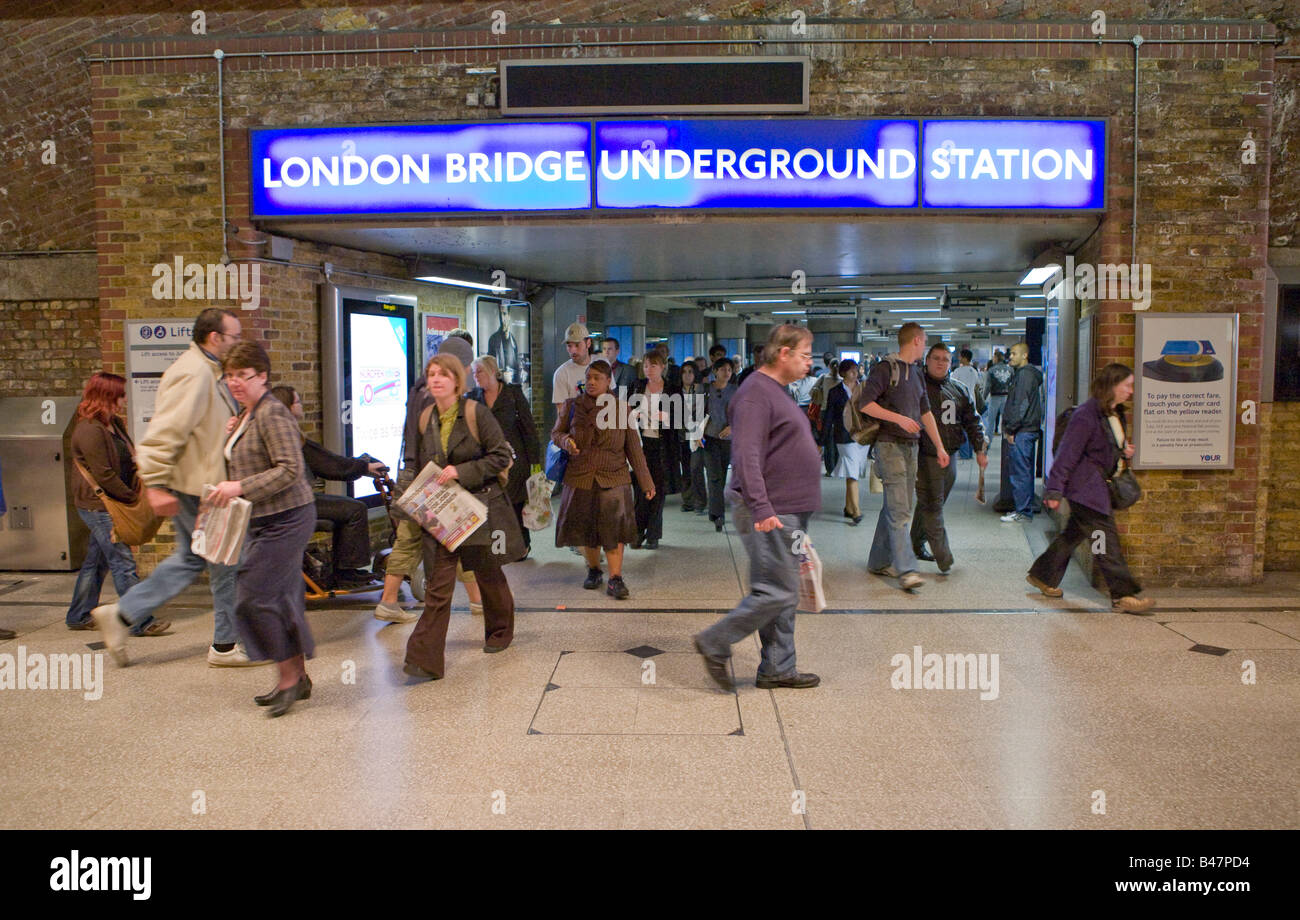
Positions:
{"x": 114, "y": 632}
{"x": 1013, "y": 517}
{"x": 475, "y": 610}
{"x": 394, "y": 614}
{"x": 235, "y": 658}
{"x": 910, "y": 580}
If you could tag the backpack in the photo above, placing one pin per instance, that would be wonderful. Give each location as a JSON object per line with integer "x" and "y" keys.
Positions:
{"x": 861, "y": 427}
{"x": 471, "y": 419}
{"x": 1062, "y": 422}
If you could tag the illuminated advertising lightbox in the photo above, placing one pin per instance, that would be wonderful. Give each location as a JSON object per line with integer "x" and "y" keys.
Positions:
{"x": 756, "y": 163}
{"x": 1013, "y": 164}
{"x": 377, "y": 378}
{"x": 417, "y": 169}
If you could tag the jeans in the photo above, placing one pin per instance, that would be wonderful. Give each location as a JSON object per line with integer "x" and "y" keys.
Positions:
{"x": 1024, "y": 453}
{"x": 933, "y": 484}
{"x": 102, "y": 556}
{"x": 177, "y": 572}
{"x": 1099, "y": 530}
{"x": 773, "y": 595}
{"x": 717, "y": 458}
{"x": 895, "y": 464}
{"x": 993, "y": 414}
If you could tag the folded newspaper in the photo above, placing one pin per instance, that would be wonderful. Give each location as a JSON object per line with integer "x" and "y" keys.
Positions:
{"x": 448, "y": 512}
{"x": 219, "y": 532}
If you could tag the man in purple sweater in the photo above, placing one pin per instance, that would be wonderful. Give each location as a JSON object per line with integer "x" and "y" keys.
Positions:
{"x": 773, "y": 497}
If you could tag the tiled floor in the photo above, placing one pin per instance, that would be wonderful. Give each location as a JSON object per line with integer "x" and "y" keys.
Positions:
{"x": 600, "y": 714}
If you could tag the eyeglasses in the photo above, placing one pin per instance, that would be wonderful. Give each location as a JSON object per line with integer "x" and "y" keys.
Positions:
{"x": 242, "y": 379}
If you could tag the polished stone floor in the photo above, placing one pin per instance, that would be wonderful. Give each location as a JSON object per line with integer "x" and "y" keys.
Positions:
{"x": 601, "y": 716}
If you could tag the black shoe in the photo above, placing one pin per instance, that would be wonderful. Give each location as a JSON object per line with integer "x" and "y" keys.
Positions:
{"x": 616, "y": 589}
{"x": 638, "y": 542}
{"x": 847, "y": 515}
{"x": 925, "y": 556}
{"x": 281, "y": 700}
{"x": 594, "y": 578}
{"x": 87, "y": 623}
{"x": 353, "y": 579}
{"x": 717, "y": 668}
{"x": 493, "y": 649}
{"x": 687, "y": 508}
{"x": 414, "y": 670}
{"x": 717, "y": 525}
{"x": 796, "y": 681}
{"x": 304, "y": 685}
{"x": 652, "y": 543}
{"x": 7, "y": 634}
{"x": 857, "y": 519}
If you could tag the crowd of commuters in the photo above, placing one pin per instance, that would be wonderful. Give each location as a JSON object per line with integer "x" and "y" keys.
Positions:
{"x": 633, "y": 435}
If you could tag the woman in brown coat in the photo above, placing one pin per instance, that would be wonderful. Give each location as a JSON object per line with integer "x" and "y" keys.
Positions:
{"x": 103, "y": 450}
{"x": 598, "y": 509}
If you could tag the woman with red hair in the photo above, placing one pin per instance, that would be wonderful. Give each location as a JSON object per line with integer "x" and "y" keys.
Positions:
{"x": 103, "y": 450}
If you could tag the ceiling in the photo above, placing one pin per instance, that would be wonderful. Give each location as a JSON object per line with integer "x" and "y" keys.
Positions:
{"x": 694, "y": 260}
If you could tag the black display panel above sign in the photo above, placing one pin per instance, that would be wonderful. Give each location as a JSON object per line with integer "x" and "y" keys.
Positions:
{"x": 659, "y": 85}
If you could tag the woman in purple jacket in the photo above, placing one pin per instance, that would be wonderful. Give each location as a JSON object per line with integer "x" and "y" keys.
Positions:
{"x": 1088, "y": 455}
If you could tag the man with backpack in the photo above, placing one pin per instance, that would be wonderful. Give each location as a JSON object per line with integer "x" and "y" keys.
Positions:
{"x": 894, "y": 393}
{"x": 997, "y": 384}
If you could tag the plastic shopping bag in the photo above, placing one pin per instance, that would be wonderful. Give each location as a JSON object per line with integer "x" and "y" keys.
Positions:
{"x": 537, "y": 511}
{"x": 812, "y": 597}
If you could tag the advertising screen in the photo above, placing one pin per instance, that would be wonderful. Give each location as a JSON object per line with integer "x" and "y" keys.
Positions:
{"x": 377, "y": 378}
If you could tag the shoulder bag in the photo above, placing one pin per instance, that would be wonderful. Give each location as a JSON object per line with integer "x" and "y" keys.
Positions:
{"x": 1125, "y": 491}
{"x": 557, "y": 458}
{"x": 134, "y": 524}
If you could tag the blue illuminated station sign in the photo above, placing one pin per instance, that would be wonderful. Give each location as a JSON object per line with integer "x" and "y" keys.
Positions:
{"x": 891, "y": 164}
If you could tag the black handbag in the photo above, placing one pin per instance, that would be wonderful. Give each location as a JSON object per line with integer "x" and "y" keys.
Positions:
{"x": 1125, "y": 491}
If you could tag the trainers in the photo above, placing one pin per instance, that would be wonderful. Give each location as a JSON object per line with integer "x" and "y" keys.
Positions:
{"x": 475, "y": 610}
{"x": 235, "y": 658}
{"x": 1136, "y": 605}
{"x": 391, "y": 613}
{"x": 594, "y": 578}
{"x": 1043, "y": 586}
{"x": 795, "y": 681}
{"x": 1014, "y": 517}
{"x": 155, "y": 628}
{"x": 887, "y": 572}
{"x": 616, "y": 589}
{"x": 910, "y": 580}
{"x": 114, "y": 632}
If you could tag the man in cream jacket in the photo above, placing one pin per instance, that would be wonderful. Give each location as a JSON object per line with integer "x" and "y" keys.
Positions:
{"x": 180, "y": 453}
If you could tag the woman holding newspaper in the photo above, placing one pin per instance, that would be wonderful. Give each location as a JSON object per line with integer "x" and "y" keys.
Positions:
{"x": 264, "y": 458}
{"x": 470, "y": 453}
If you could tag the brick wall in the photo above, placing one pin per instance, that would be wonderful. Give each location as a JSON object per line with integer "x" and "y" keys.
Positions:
{"x": 48, "y": 347}
{"x": 1204, "y": 216}
{"x": 1282, "y": 533}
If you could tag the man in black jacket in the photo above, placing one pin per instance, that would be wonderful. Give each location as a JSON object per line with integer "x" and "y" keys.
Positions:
{"x": 955, "y": 416}
{"x": 1022, "y": 426}
{"x": 351, "y": 543}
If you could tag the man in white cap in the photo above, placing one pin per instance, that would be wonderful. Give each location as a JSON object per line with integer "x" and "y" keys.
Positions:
{"x": 570, "y": 374}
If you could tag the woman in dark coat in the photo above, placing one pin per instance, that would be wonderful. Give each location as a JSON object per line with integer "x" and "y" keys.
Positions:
{"x": 439, "y": 433}
{"x": 693, "y": 393}
{"x": 510, "y": 407}
{"x": 101, "y": 447}
{"x": 853, "y": 461}
{"x": 1090, "y": 452}
{"x": 653, "y": 399}
{"x": 598, "y": 510}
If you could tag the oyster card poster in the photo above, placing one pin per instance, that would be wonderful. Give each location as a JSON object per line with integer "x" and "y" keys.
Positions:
{"x": 1185, "y": 389}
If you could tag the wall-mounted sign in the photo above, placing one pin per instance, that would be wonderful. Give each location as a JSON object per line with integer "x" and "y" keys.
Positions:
{"x": 416, "y": 169}
{"x": 152, "y": 346}
{"x": 1013, "y": 164}
{"x": 761, "y": 163}
{"x": 737, "y": 163}
{"x": 1185, "y": 391}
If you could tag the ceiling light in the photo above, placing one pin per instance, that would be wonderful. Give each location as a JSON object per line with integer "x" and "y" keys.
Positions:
{"x": 916, "y": 309}
{"x": 1046, "y": 264}
{"x": 787, "y": 300}
{"x": 926, "y": 297}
